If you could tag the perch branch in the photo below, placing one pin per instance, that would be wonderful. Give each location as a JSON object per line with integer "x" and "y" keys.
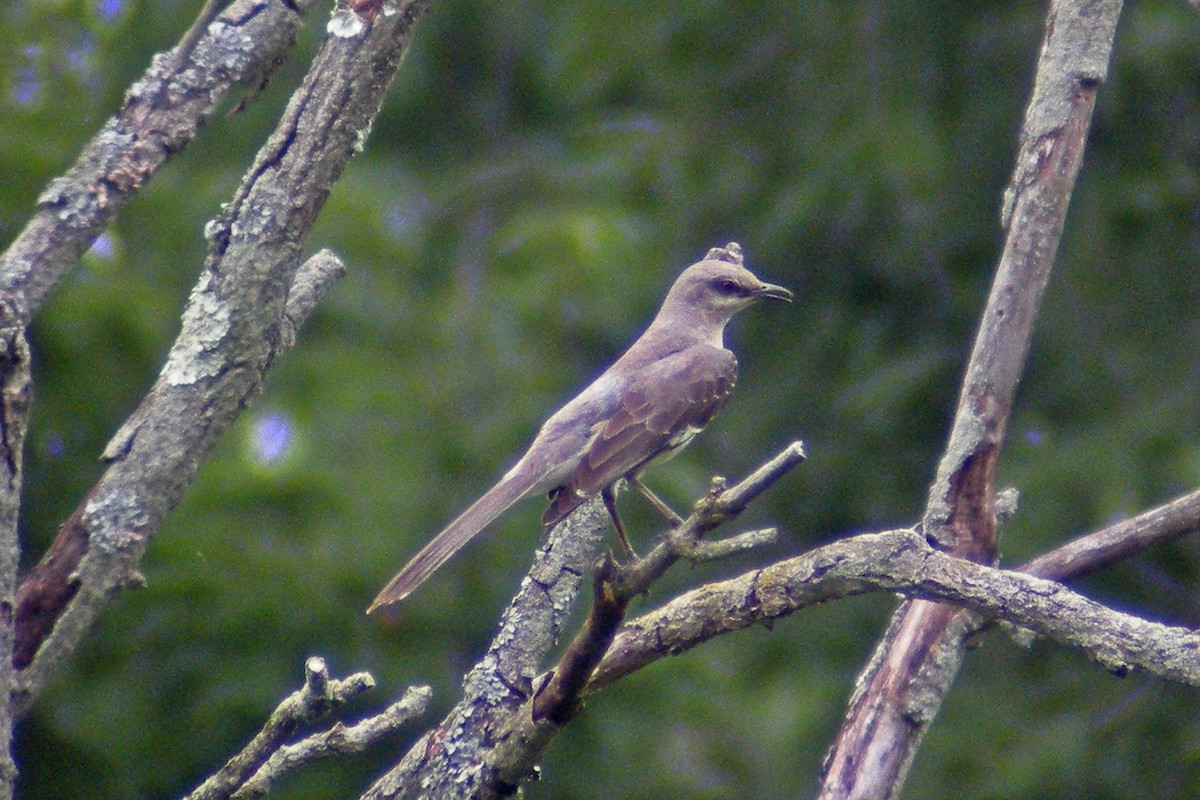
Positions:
{"x": 473, "y": 752}
{"x": 720, "y": 505}
{"x": 615, "y": 587}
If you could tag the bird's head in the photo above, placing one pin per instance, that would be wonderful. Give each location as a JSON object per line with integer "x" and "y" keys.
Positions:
{"x": 711, "y": 291}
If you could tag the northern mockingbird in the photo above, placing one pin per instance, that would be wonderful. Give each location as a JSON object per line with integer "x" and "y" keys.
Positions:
{"x": 647, "y": 405}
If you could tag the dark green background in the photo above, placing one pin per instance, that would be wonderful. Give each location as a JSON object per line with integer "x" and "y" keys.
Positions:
{"x": 538, "y": 177}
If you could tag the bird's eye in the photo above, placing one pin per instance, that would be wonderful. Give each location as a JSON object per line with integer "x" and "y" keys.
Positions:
{"x": 728, "y": 287}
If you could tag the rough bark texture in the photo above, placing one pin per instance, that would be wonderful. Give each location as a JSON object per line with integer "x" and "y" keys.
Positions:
{"x": 16, "y": 394}
{"x": 162, "y": 112}
{"x": 903, "y": 561}
{"x": 913, "y": 667}
{"x": 479, "y": 749}
{"x": 237, "y": 320}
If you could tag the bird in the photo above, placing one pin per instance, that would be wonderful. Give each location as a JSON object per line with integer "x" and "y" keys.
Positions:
{"x": 645, "y": 407}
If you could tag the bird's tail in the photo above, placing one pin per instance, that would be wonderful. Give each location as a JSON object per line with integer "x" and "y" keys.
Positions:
{"x": 511, "y": 488}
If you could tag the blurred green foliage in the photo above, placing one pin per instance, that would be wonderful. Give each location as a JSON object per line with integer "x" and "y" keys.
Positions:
{"x": 541, "y": 173}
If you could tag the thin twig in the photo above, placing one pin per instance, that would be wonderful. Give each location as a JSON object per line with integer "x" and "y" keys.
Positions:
{"x": 558, "y": 699}
{"x": 720, "y": 505}
{"x": 338, "y": 740}
{"x": 319, "y": 696}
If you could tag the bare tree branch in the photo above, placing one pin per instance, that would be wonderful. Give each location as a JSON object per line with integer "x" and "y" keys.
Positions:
{"x": 267, "y": 757}
{"x": 160, "y": 115}
{"x": 902, "y": 561}
{"x": 233, "y": 329}
{"x": 491, "y": 742}
{"x": 1127, "y": 538}
{"x": 16, "y": 396}
{"x": 473, "y": 752}
{"x": 54, "y": 582}
{"x": 919, "y": 658}
{"x": 338, "y": 740}
{"x": 615, "y": 586}
{"x": 637, "y": 646}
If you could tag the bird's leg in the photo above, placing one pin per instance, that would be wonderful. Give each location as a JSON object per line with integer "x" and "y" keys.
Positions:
{"x": 657, "y": 502}
{"x": 610, "y": 502}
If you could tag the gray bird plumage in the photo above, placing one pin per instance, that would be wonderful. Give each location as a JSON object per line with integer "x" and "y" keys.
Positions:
{"x": 647, "y": 405}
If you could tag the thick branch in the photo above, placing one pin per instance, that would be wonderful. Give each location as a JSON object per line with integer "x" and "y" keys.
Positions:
{"x": 62, "y": 574}
{"x": 1072, "y": 560}
{"x": 233, "y": 328}
{"x": 919, "y": 657}
{"x": 475, "y": 751}
{"x": 493, "y": 739}
{"x": 902, "y": 561}
{"x": 160, "y": 115}
{"x": 16, "y": 395}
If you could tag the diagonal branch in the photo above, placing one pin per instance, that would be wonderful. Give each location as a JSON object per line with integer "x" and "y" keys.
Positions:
{"x": 1119, "y": 541}
{"x": 162, "y": 112}
{"x": 233, "y": 329}
{"x": 615, "y": 587}
{"x": 919, "y": 656}
{"x": 477, "y": 751}
{"x": 491, "y": 742}
{"x": 43, "y": 627}
{"x": 338, "y": 740}
{"x": 268, "y": 755}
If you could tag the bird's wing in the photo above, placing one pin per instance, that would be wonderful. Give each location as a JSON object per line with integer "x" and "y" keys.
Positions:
{"x": 664, "y": 405}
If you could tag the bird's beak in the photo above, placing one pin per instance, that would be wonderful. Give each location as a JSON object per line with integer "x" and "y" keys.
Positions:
{"x": 773, "y": 292}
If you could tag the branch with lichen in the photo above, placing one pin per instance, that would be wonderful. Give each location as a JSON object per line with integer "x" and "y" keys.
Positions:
{"x": 162, "y": 112}
{"x": 471, "y": 752}
{"x": 491, "y": 741}
{"x": 903, "y": 561}
{"x": 615, "y": 586}
{"x": 270, "y": 755}
{"x": 240, "y": 316}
